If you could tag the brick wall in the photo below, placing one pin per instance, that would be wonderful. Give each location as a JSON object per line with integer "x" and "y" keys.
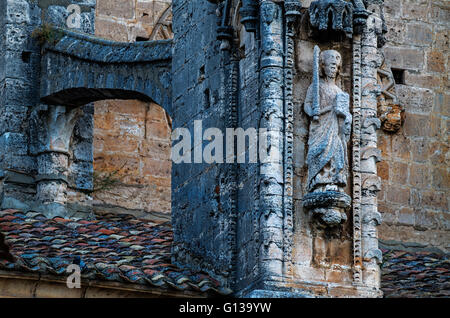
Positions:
{"x": 415, "y": 169}
{"x": 131, "y": 138}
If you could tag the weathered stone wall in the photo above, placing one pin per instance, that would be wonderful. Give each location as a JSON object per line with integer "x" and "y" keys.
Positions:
{"x": 132, "y": 138}
{"x": 415, "y": 167}
{"x": 204, "y": 228}
{"x": 19, "y": 83}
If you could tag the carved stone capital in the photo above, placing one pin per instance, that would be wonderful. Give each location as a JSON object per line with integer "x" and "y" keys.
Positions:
{"x": 52, "y": 128}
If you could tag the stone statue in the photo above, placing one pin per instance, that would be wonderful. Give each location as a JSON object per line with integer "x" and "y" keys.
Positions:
{"x": 330, "y": 127}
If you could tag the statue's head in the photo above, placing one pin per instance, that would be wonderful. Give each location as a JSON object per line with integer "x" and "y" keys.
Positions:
{"x": 330, "y": 63}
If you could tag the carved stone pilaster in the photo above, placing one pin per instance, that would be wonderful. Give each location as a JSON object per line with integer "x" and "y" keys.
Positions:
{"x": 271, "y": 171}
{"x": 370, "y": 182}
{"x": 292, "y": 9}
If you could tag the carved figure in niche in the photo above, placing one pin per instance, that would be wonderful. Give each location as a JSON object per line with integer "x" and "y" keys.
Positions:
{"x": 330, "y": 127}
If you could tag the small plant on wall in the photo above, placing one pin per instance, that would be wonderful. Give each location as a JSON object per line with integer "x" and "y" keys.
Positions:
{"x": 47, "y": 33}
{"x": 107, "y": 180}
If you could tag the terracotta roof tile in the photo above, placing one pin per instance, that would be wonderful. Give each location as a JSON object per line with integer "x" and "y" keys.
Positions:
{"x": 415, "y": 274}
{"x": 113, "y": 247}
{"x": 124, "y": 249}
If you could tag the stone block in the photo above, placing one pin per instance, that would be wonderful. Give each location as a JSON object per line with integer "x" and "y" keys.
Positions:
{"x": 83, "y": 151}
{"x": 415, "y": 10}
{"x": 436, "y": 61}
{"x": 440, "y": 12}
{"x": 418, "y": 79}
{"x": 384, "y": 144}
{"x": 437, "y": 153}
{"x": 399, "y": 172}
{"x": 124, "y": 9}
{"x": 13, "y": 119}
{"x": 436, "y": 200}
{"x": 158, "y": 131}
{"x": 23, "y": 164}
{"x": 419, "y": 34}
{"x": 21, "y": 65}
{"x": 405, "y": 57}
{"x": 396, "y": 32}
{"x": 441, "y": 39}
{"x": 417, "y": 125}
{"x": 441, "y": 178}
{"x": 392, "y": 9}
{"x": 111, "y": 30}
{"x": 17, "y": 93}
{"x": 14, "y": 144}
{"x": 400, "y": 147}
{"x": 426, "y": 220}
{"x": 416, "y": 100}
{"x": 17, "y": 37}
{"x": 20, "y": 288}
{"x": 81, "y": 175}
{"x": 441, "y": 104}
{"x": 406, "y": 216}
{"x": 420, "y": 150}
{"x": 388, "y": 214}
{"x": 397, "y": 194}
{"x": 17, "y": 12}
{"x": 419, "y": 176}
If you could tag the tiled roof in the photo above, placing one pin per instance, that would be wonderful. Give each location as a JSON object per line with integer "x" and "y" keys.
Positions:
{"x": 415, "y": 274}
{"x": 117, "y": 248}
{"x": 124, "y": 249}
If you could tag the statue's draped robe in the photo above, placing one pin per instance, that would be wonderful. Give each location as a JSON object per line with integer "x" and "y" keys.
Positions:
{"x": 327, "y": 152}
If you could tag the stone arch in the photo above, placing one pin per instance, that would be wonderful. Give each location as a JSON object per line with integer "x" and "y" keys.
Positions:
{"x": 79, "y": 69}
{"x": 163, "y": 26}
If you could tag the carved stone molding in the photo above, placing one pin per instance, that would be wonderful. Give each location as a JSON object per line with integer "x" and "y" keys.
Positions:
{"x": 332, "y": 15}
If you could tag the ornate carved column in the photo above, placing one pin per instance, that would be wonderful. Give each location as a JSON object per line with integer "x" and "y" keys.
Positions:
{"x": 271, "y": 171}
{"x": 370, "y": 218}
